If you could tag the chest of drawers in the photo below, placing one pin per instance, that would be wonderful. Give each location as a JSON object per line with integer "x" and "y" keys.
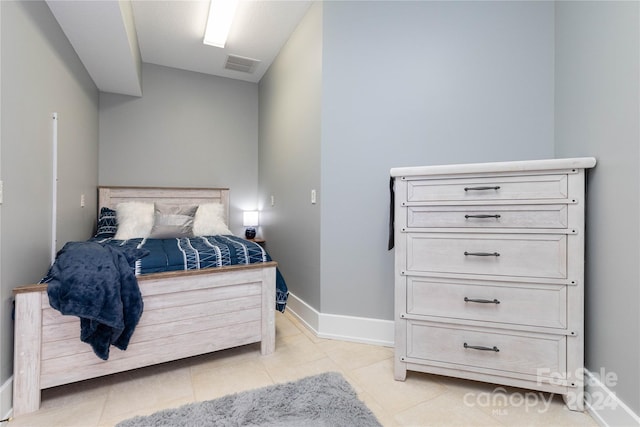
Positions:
{"x": 489, "y": 273}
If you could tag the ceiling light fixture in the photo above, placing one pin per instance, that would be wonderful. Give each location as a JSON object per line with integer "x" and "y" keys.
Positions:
{"x": 221, "y": 13}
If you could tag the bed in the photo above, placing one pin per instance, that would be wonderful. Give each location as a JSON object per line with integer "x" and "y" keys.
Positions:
{"x": 186, "y": 313}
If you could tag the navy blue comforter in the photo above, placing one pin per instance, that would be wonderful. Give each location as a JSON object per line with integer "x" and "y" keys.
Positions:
{"x": 195, "y": 253}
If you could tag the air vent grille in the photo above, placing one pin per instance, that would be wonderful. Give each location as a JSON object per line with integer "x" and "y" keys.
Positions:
{"x": 239, "y": 63}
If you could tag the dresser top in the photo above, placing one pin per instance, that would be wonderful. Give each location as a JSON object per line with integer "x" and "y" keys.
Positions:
{"x": 516, "y": 166}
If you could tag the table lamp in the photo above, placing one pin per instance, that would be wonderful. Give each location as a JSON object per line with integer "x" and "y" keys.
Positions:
{"x": 250, "y": 220}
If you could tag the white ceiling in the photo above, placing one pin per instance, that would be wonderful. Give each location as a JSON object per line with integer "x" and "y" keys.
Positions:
{"x": 106, "y": 35}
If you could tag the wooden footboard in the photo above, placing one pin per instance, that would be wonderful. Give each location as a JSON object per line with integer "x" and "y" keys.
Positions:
{"x": 185, "y": 314}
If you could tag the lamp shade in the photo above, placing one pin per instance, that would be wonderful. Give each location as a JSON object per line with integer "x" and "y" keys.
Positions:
{"x": 250, "y": 218}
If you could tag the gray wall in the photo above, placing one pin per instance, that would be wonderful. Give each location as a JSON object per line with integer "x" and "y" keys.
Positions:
{"x": 290, "y": 101}
{"x": 41, "y": 74}
{"x": 598, "y": 114}
{"x": 188, "y": 129}
{"x": 444, "y": 82}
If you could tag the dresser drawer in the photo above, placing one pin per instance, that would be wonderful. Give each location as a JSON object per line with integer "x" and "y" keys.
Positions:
{"x": 540, "y": 305}
{"x": 534, "y": 187}
{"x": 507, "y": 352}
{"x": 520, "y": 255}
{"x": 502, "y": 216}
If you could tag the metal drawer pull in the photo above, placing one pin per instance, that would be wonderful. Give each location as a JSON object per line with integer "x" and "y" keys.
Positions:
{"x": 482, "y": 216}
{"x": 481, "y": 253}
{"x": 482, "y": 301}
{"x": 479, "y": 347}
{"x": 497, "y": 187}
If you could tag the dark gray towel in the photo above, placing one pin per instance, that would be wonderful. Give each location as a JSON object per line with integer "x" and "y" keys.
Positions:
{"x": 392, "y": 205}
{"x": 97, "y": 283}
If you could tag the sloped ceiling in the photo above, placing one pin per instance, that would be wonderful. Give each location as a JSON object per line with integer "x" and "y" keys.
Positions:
{"x": 113, "y": 37}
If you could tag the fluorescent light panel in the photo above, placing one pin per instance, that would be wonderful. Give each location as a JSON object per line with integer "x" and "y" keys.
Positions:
{"x": 221, "y": 13}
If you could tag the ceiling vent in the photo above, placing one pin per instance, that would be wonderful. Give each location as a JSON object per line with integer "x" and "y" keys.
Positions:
{"x": 239, "y": 63}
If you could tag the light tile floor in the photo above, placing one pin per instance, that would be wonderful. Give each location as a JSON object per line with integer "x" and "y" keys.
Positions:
{"x": 422, "y": 400}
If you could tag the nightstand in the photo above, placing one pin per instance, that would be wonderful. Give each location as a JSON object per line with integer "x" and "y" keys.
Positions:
{"x": 258, "y": 240}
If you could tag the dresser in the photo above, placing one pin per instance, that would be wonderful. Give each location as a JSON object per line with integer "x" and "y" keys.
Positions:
{"x": 489, "y": 273}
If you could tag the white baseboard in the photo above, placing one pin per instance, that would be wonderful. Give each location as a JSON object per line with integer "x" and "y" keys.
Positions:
{"x": 345, "y": 328}
{"x": 306, "y": 314}
{"x": 604, "y": 406}
{"x": 6, "y": 399}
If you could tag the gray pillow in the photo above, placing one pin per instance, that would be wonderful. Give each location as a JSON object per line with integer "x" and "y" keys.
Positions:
{"x": 172, "y": 221}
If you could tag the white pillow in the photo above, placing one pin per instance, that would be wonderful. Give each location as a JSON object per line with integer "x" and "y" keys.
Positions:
{"x": 209, "y": 220}
{"x": 135, "y": 219}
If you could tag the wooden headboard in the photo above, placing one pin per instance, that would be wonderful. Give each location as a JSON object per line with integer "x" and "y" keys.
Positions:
{"x": 109, "y": 197}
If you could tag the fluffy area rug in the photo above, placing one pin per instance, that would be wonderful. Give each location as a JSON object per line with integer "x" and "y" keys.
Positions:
{"x": 322, "y": 400}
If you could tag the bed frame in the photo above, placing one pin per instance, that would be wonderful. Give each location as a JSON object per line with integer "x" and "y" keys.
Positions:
{"x": 185, "y": 314}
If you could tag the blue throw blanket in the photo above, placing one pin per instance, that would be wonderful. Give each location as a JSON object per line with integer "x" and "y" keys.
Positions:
{"x": 98, "y": 284}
